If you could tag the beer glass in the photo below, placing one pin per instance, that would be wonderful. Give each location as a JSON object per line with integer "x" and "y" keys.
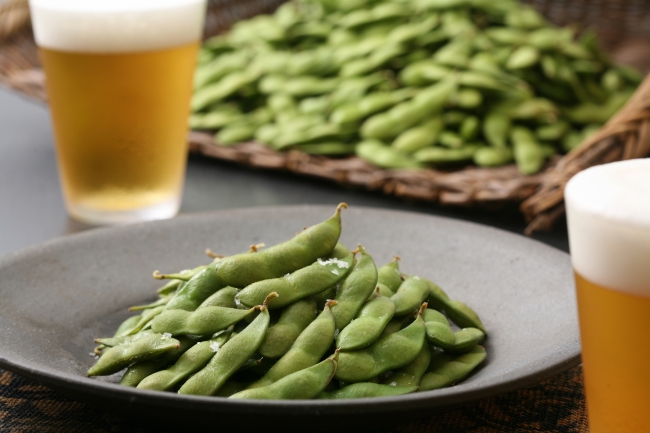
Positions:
{"x": 119, "y": 81}
{"x": 608, "y": 212}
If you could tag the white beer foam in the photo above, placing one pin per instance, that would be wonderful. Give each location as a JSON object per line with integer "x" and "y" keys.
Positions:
{"x": 118, "y": 26}
{"x": 608, "y": 213}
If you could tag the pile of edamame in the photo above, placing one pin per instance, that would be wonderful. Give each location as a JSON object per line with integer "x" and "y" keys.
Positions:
{"x": 304, "y": 319}
{"x": 407, "y": 84}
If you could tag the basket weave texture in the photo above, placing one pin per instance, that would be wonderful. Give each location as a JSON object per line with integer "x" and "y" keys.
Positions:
{"x": 624, "y": 29}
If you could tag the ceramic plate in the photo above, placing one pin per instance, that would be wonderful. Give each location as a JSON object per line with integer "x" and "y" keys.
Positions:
{"x": 58, "y": 296}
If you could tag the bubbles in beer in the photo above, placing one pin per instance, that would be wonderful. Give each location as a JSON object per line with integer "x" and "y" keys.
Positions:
{"x": 121, "y": 26}
{"x": 609, "y": 225}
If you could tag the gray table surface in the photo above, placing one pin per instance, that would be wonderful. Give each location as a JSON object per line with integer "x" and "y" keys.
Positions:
{"x": 32, "y": 210}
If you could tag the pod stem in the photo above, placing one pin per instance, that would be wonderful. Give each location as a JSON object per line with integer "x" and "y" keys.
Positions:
{"x": 341, "y": 206}
{"x": 158, "y": 276}
{"x": 330, "y": 302}
{"x": 213, "y": 255}
{"x": 422, "y": 308}
{"x": 396, "y": 258}
{"x": 256, "y": 247}
{"x": 271, "y": 295}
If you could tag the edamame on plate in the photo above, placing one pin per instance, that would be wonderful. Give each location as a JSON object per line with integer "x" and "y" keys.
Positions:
{"x": 307, "y": 318}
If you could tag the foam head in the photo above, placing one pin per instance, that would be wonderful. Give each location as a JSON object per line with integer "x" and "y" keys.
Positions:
{"x": 608, "y": 214}
{"x": 116, "y": 26}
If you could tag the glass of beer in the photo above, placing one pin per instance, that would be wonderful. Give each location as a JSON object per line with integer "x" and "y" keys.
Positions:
{"x": 608, "y": 212}
{"x": 119, "y": 81}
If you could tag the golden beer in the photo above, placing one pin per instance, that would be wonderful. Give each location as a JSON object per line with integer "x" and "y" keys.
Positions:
{"x": 120, "y": 111}
{"x": 608, "y": 211}
{"x": 614, "y": 330}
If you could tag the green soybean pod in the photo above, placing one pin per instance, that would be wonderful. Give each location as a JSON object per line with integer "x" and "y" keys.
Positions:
{"x": 411, "y": 373}
{"x": 280, "y": 102}
{"x": 307, "y": 350}
{"x": 315, "y": 242}
{"x": 455, "y": 53}
{"x": 410, "y": 295}
{"x": 440, "y": 155}
{"x": 389, "y": 352}
{"x": 368, "y": 325}
{"x": 303, "y": 384}
{"x": 463, "y": 316}
{"x": 302, "y": 283}
{"x": 390, "y": 275}
{"x": 377, "y": 153}
{"x": 193, "y": 360}
{"x": 506, "y": 35}
{"x": 466, "y": 340}
{"x": 469, "y": 128}
{"x": 451, "y": 139}
{"x": 147, "y": 347}
{"x": 293, "y": 320}
{"x": 197, "y": 289}
{"x": 554, "y": 131}
{"x": 381, "y": 290}
{"x": 213, "y": 120}
{"x": 226, "y": 86}
{"x": 367, "y": 390}
{"x": 437, "y": 299}
{"x": 439, "y": 332}
{"x": 143, "y": 320}
{"x": 525, "y": 56}
{"x": 221, "y": 298}
{"x": 418, "y": 137}
{"x": 467, "y": 98}
{"x": 203, "y": 321}
{"x": 492, "y": 156}
{"x": 357, "y": 286}
{"x": 432, "y": 99}
{"x": 447, "y": 369}
{"x": 528, "y": 153}
{"x": 230, "y": 357}
{"x": 496, "y": 126}
{"x": 140, "y": 370}
{"x": 327, "y": 148}
{"x": 219, "y": 68}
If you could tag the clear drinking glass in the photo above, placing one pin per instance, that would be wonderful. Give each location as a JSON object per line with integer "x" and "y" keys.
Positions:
{"x": 608, "y": 211}
{"x": 119, "y": 81}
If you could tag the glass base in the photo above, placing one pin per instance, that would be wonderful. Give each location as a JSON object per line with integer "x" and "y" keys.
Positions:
{"x": 93, "y": 216}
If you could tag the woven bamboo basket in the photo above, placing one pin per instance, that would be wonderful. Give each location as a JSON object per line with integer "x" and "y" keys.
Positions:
{"x": 624, "y": 30}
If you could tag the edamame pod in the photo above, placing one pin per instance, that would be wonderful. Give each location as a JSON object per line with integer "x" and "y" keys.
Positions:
{"x": 410, "y": 295}
{"x": 367, "y": 390}
{"x": 419, "y": 137}
{"x": 302, "y": 384}
{"x": 280, "y": 337}
{"x": 368, "y": 325}
{"x": 140, "y": 370}
{"x": 147, "y": 347}
{"x": 439, "y": 331}
{"x": 197, "y": 289}
{"x": 390, "y": 275}
{"x": 230, "y": 357}
{"x": 302, "y": 283}
{"x": 528, "y": 153}
{"x": 446, "y": 369}
{"x": 315, "y": 242}
{"x": 357, "y": 286}
{"x": 411, "y": 373}
{"x": 307, "y": 350}
{"x": 377, "y": 153}
{"x": 221, "y": 298}
{"x": 204, "y": 321}
{"x": 193, "y": 360}
{"x": 389, "y": 352}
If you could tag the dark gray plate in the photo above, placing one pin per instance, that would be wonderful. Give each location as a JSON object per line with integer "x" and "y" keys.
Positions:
{"x": 56, "y": 297}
